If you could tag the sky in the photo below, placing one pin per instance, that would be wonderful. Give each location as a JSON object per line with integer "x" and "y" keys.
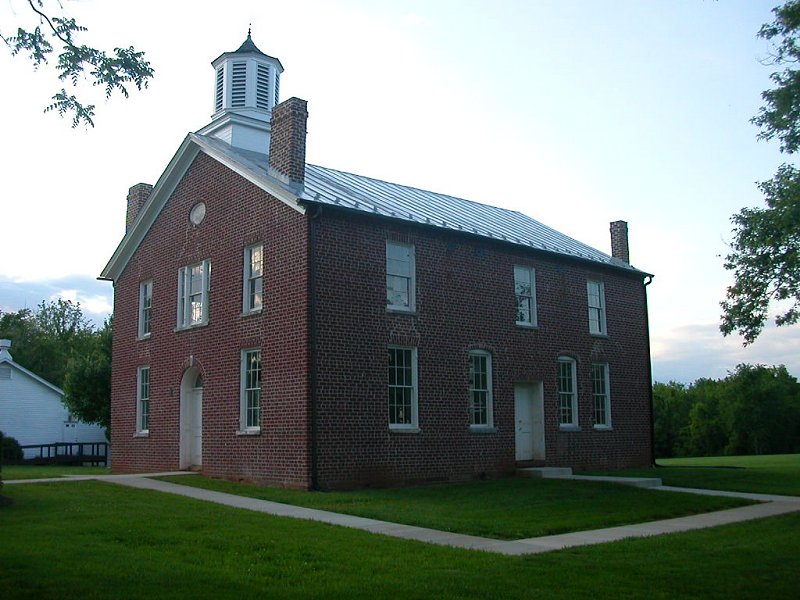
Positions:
{"x": 575, "y": 112}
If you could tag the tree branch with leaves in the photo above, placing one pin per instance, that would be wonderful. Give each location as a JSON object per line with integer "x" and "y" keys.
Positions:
{"x": 117, "y": 71}
{"x": 765, "y": 252}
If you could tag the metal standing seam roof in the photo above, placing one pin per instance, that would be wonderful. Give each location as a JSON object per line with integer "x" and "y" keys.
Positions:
{"x": 381, "y": 198}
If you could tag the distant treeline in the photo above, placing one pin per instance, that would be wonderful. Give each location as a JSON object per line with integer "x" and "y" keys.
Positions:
{"x": 755, "y": 410}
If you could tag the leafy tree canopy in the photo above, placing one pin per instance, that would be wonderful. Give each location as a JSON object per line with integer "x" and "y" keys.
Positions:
{"x": 754, "y": 410}
{"x": 765, "y": 252}
{"x": 48, "y": 33}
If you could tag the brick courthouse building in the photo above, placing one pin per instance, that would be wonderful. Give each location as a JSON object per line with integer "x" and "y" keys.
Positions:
{"x": 299, "y": 326}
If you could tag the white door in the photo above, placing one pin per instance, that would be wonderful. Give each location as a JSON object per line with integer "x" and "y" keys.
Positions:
{"x": 529, "y": 416}
{"x": 196, "y": 447}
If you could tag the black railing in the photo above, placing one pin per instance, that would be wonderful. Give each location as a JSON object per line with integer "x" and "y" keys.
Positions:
{"x": 75, "y": 453}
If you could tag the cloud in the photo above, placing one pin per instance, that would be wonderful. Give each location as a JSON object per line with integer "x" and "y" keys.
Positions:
{"x": 95, "y": 297}
{"x": 689, "y": 352}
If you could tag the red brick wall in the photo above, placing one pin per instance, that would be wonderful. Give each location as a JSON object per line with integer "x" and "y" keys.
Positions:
{"x": 238, "y": 214}
{"x": 287, "y": 146}
{"x": 465, "y": 300}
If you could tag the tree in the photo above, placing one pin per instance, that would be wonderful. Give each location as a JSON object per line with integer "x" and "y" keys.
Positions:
{"x": 761, "y": 412}
{"x": 76, "y": 61}
{"x": 44, "y": 341}
{"x": 87, "y": 382}
{"x": 765, "y": 252}
{"x": 671, "y": 406}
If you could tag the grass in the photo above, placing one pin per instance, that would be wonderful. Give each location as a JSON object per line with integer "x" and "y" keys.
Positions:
{"x": 770, "y": 474}
{"x": 95, "y": 540}
{"x": 504, "y": 509}
{"x": 10, "y": 472}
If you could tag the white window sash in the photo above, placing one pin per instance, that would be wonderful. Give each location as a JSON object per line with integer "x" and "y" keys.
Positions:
{"x": 145, "y": 308}
{"x": 400, "y": 276}
{"x": 142, "y": 398}
{"x": 525, "y": 291}
{"x": 252, "y": 281}
{"x": 487, "y": 404}
{"x": 185, "y": 295}
{"x": 567, "y": 398}
{"x": 245, "y": 390}
{"x": 597, "y": 307}
{"x": 604, "y": 394}
{"x": 413, "y": 421}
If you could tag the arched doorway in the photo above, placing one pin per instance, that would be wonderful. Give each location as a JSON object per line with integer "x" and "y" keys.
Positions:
{"x": 191, "y": 419}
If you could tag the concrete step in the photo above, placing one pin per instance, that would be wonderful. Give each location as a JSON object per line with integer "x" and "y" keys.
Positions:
{"x": 545, "y": 472}
{"x": 642, "y": 482}
{"x": 566, "y": 473}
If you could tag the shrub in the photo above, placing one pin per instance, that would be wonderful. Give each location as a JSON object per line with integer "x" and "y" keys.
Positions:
{"x": 10, "y": 449}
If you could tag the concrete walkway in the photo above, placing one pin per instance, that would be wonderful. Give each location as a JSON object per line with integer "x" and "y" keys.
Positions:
{"x": 770, "y": 505}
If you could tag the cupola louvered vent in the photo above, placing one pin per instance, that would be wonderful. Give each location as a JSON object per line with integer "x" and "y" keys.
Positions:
{"x": 218, "y": 91}
{"x": 277, "y": 88}
{"x": 262, "y": 87}
{"x": 244, "y": 95}
{"x": 238, "y": 84}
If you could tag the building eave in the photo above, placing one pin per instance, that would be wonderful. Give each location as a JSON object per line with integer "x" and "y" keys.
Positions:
{"x": 33, "y": 376}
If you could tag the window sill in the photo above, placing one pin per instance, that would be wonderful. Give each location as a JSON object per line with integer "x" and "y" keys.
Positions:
{"x": 404, "y": 430}
{"x": 602, "y": 427}
{"x": 569, "y": 428}
{"x": 599, "y": 335}
{"x": 146, "y": 336}
{"x": 142, "y": 434}
{"x": 248, "y": 432}
{"x": 527, "y": 325}
{"x": 189, "y": 327}
{"x": 397, "y": 310}
{"x": 250, "y": 313}
{"x": 482, "y": 429}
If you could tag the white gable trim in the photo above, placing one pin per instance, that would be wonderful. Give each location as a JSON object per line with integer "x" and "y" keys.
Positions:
{"x": 33, "y": 376}
{"x": 192, "y": 145}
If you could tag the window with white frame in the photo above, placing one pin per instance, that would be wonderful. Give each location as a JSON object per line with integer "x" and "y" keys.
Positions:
{"x": 193, "y": 286}
{"x": 143, "y": 400}
{"x": 597, "y": 307}
{"x": 480, "y": 389}
{"x": 601, "y": 395}
{"x": 400, "y": 276}
{"x": 251, "y": 390}
{"x": 253, "y": 278}
{"x": 567, "y": 393}
{"x": 525, "y": 290}
{"x": 145, "y": 304}
{"x": 402, "y": 388}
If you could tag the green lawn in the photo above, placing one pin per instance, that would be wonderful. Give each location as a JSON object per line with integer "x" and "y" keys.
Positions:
{"x": 10, "y": 472}
{"x": 94, "y": 540}
{"x": 505, "y": 509}
{"x": 771, "y": 474}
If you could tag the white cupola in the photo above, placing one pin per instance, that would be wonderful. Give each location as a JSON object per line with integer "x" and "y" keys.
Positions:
{"x": 246, "y": 88}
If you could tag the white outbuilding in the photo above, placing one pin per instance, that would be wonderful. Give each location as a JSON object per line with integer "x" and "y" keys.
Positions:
{"x": 32, "y": 411}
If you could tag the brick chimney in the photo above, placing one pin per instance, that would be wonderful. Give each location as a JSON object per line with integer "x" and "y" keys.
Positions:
{"x": 137, "y": 196}
{"x": 287, "y": 145}
{"x": 619, "y": 241}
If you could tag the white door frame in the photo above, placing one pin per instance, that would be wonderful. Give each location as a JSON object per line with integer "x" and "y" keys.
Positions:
{"x": 191, "y": 401}
{"x": 529, "y": 442}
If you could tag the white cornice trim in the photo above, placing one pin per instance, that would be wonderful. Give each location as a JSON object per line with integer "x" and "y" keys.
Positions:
{"x": 191, "y": 146}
